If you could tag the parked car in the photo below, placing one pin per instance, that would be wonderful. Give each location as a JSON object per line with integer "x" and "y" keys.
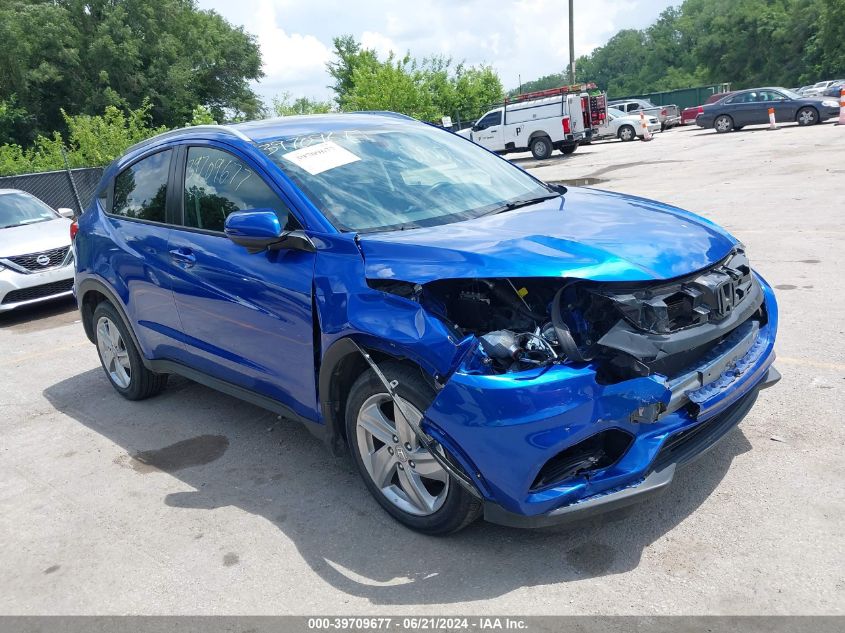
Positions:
{"x": 689, "y": 115}
{"x": 835, "y": 89}
{"x": 36, "y": 262}
{"x": 669, "y": 115}
{"x": 751, "y": 107}
{"x": 483, "y": 343}
{"x": 625, "y": 127}
{"x": 818, "y": 89}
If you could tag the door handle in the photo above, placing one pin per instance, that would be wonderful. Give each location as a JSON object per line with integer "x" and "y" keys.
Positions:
{"x": 184, "y": 256}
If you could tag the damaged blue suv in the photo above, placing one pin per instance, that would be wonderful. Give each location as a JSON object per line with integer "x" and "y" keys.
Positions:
{"x": 481, "y": 342}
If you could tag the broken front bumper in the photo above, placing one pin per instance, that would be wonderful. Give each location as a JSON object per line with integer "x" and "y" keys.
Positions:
{"x": 504, "y": 428}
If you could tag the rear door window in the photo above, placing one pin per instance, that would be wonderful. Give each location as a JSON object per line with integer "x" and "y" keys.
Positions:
{"x": 140, "y": 190}
{"x": 218, "y": 183}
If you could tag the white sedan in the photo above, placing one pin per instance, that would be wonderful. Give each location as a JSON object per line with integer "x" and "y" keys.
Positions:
{"x": 36, "y": 261}
{"x": 625, "y": 127}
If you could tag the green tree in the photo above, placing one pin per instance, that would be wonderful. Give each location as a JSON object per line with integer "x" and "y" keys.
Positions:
{"x": 285, "y": 105}
{"x": 349, "y": 55}
{"x": 91, "y": 141}
{"x": 744, "y": 42}
{"x": 85, "y": 55}
{"x": 426, "y": 89}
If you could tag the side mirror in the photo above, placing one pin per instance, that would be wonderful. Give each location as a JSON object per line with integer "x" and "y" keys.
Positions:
{"x": 65, "y": 212}
{"x": 475, "y": 128}
{"x": 260, "y": 229}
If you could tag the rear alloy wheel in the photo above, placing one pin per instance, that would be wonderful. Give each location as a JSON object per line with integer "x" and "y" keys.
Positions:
{"x": 627, "y": 133}
{"x": 399, "y": 472}
{"x": 120, "y": 358}
{"x": 723, "y": 124}
{"x": 807, "y": 116}
{"x": 541, "y": 147}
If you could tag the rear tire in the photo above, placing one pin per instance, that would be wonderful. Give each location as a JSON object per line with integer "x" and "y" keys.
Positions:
{"x": 411, "y": 486}
{"x": 568, "y": 149}
{"x": 541, "y": 147}
{"x": 119, "y": 357}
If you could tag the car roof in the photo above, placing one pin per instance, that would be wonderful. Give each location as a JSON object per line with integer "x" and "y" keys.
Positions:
{"x": 265, "y": 130}
{"x": 6, "y": 191}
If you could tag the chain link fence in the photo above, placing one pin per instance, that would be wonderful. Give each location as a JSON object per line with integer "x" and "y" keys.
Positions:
{"x": 55, "y": 187}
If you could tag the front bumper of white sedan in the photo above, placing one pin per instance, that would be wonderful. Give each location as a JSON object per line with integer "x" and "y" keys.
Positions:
{"x": 20, "y": 286}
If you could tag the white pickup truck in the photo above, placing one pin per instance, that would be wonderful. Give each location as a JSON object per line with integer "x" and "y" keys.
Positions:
{"x": 540, "y": 122}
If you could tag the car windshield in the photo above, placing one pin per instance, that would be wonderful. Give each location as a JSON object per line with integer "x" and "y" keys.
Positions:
{"x": 615, "y": 113}
{"x": 17, "y": 209}
{"x": 400, "y": 176}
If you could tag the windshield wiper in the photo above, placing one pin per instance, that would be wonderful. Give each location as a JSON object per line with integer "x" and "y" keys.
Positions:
{"x": 516, "y": 204}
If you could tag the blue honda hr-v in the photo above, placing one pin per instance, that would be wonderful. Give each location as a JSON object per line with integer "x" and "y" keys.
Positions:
{"x": 481, "y": 342}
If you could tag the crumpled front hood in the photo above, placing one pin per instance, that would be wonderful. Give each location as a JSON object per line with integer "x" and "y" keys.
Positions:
{"x": 587, "y": 234}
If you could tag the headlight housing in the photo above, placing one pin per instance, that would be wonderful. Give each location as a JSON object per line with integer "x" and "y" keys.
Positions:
{"x": 830, "y": 104}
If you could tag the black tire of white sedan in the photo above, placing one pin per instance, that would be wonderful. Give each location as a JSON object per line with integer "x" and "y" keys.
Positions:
{"x": 120, "y": 358}
{"x": 723, "y": 124}
{"x": 807, "y": 116}
{"x": 402, "y": 475}
{"x": 541, "y": 147}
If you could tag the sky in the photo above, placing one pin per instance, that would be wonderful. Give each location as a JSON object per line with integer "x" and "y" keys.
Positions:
{"x": 517, "y": 37}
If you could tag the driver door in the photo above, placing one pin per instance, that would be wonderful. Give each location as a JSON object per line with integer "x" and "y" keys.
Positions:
{"x": 488, "y": 131}
{"x": 246, "y": 317}
{"x": 785, "y": 109}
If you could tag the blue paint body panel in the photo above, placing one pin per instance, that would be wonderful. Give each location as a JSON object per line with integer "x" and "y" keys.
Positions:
{"x": 265, "y": 322}
{"x": 586, "y": 234}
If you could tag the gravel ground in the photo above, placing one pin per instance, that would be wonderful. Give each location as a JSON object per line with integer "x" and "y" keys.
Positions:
{"x": 249, "y": 514}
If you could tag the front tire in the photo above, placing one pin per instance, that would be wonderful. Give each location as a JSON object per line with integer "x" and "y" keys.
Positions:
{"x": 627, "y": 133}
{"x": 541, "y": 147}
{"x": 119, "y": 357}
{"x": 403, "y": 476}
{"x": 723, "y": 124}
{"x": 807, "y": 116}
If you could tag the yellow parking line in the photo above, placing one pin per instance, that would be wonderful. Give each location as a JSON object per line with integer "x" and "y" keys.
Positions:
{"x": 810, "y": 363}
{"x": 50, "y": 352}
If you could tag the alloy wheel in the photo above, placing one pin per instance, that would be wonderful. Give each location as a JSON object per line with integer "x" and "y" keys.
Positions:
{"x": 806, "y": 116}
{"x": 405, "y": 472}
{"x": 113, "y": 353}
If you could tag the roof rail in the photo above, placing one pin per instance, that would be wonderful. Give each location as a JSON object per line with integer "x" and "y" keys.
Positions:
{"x": 397, "y": 115}
{"x": 195, "y": 128}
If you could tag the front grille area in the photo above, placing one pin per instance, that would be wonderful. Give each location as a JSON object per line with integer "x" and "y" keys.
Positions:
{"x": 49, "y": 259}
{"x": 707, "y": 297}
{"x": 39, "y": 292}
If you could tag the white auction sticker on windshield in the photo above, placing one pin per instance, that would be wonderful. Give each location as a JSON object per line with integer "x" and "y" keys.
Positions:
{"x": 315, "y": 159}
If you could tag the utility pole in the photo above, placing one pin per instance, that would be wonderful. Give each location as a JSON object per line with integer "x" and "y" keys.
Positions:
{"x": 571, "y": 44}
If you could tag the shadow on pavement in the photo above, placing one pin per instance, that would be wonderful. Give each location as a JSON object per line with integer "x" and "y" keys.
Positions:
{"x": 239, "y": 455}
{"x": 40, "y": 316}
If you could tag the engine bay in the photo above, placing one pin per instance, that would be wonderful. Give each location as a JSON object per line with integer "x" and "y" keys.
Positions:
{"x": 627, "y": 330}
